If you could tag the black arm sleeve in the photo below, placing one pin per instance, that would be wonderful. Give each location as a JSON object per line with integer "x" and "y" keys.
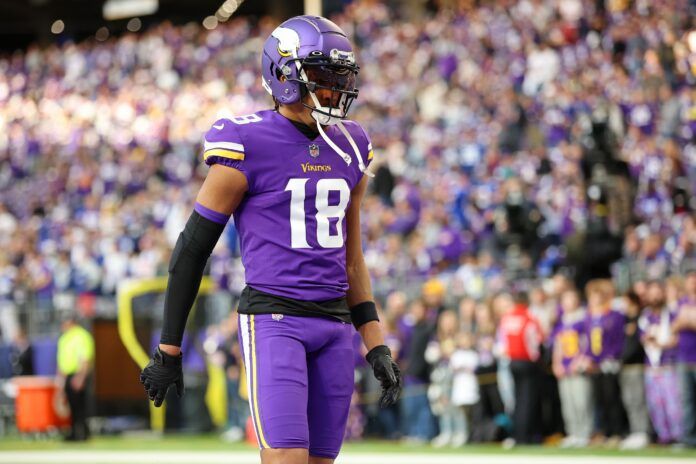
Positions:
{"x": 186, "y": 267}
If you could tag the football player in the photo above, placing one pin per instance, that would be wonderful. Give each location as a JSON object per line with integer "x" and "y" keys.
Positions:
{"x": 294, "y": 178}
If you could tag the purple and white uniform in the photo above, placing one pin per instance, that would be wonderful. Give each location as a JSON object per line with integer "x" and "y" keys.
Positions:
{"x": 571, "y": 337}
{"x": 294, "y": 320}
{"x": 291, "y": 223}
{"x": 606, "y": 336}
{"x": 292, "y": 231}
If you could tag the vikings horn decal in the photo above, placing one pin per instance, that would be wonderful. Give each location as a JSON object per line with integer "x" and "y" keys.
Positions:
{"x": 288, "y": 40}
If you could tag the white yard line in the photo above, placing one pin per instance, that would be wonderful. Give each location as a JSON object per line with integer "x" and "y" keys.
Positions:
{"x": 224, "y": 457}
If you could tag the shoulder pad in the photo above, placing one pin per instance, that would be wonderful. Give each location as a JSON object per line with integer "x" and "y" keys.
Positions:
{"x": 224, "y": 141}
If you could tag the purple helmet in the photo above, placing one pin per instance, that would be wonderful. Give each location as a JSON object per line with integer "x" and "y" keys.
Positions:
{"x": 307, "y": 53}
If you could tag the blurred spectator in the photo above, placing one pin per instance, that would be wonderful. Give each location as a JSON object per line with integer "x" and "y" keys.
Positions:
{"x": 487, "y": 419}
{"x": 433, "y": 297}
{"x": 440, "y": 393}
{"x": 468, "y": 322}
{"x": 22, "y": 355}
{"x": 661, "y": 380}
{"x": 355, "y": 425}
{"x": 237, "y": 407}
{"x": 418, "y": 418}
{"x": 570, "y": 367}
{"x": 403, "y": 320}
{"x": 605, "y": 329}
{"x": 75, "y": 359}
{"x": 544, "y": 310}
{"x": 501, "y": 305}
{"x": 521, "y": 337}
{"x": 465, "y": 388}
{"x": 632, "y": 376}
{"x": 684, "y": 327}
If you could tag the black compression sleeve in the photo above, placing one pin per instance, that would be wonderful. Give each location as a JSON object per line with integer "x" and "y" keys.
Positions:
{"x": 186, "y": 267}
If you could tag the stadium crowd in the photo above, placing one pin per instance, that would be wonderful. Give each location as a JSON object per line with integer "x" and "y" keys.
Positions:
{"x": 530, "y": 229}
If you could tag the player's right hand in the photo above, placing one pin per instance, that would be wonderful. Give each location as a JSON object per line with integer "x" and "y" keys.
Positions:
{"x": 162, "y": 371}
{"x": 387, "y": 372}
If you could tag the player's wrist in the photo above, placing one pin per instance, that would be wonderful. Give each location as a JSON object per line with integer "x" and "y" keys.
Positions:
{"x": 362, "y": 313}
{"x": 170, "y": 350}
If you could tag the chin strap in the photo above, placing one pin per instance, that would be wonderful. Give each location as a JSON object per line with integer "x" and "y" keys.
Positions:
{"x": 343, "y": 154}
{"x": 346, "y": 157}
{"x": 361, "y": 163}
{"x": 330, "y": 120}
{"x": 337, "y": 149}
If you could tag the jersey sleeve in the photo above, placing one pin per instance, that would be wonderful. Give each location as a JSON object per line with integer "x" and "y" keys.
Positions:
{"x": 223, "y": 144}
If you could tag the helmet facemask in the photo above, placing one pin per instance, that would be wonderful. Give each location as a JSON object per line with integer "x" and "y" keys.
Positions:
{"x": 338, "y": 76}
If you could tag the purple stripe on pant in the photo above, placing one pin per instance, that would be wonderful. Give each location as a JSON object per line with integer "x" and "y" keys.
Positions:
{"x": 300, "y": 377}
{"x": 664, "y": 402}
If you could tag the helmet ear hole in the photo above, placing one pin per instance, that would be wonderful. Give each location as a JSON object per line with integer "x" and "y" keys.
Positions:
{"x": 276, "y": 71}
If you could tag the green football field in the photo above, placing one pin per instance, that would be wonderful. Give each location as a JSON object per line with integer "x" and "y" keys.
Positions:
{"x": 209, "y": 449}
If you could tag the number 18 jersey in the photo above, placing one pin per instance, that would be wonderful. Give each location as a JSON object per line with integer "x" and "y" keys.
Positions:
{"x": 291, "y": 222}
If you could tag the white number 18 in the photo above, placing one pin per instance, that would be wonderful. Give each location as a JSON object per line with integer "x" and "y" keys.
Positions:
{"x": 298, "y": 226}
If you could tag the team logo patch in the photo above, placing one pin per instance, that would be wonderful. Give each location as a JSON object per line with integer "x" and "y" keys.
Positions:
{"x": 314, "y": 150}
{"x": 277, "y": 317}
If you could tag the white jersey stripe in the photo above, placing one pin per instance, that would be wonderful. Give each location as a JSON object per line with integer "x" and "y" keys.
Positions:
{"x": 224, "y": 145}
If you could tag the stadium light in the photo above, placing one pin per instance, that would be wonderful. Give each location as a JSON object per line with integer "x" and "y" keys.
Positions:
{"x": 102, "y": 34}
{"x": 227, "y": 9}
{"x": 58, "y": 26}
{"x": 210, "y": 22}
{"x": 229, "y": 6}
{"x": 121, "y": 9}
{"x": 134, "y": 25}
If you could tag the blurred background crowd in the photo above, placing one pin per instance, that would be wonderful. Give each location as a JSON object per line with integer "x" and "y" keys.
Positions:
{"x": 530, "y": 230}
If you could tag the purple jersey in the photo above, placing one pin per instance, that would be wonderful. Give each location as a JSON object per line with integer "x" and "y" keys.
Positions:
{"x": 606, "y": 335}
{"x": 686, "y": 347}
{"x": 656, "y": 325}
{"x": 571, "y": 337}
{"x": 291, "y": 222}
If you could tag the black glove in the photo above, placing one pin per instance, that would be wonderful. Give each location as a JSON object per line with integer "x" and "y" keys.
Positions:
{"x": 162, "y": 371}
{"x": 387, "y": 372}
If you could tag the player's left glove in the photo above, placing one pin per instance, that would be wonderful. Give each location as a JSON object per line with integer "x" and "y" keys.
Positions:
{"x": 162, "y": 371}
{"x": 387, "y": 372}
